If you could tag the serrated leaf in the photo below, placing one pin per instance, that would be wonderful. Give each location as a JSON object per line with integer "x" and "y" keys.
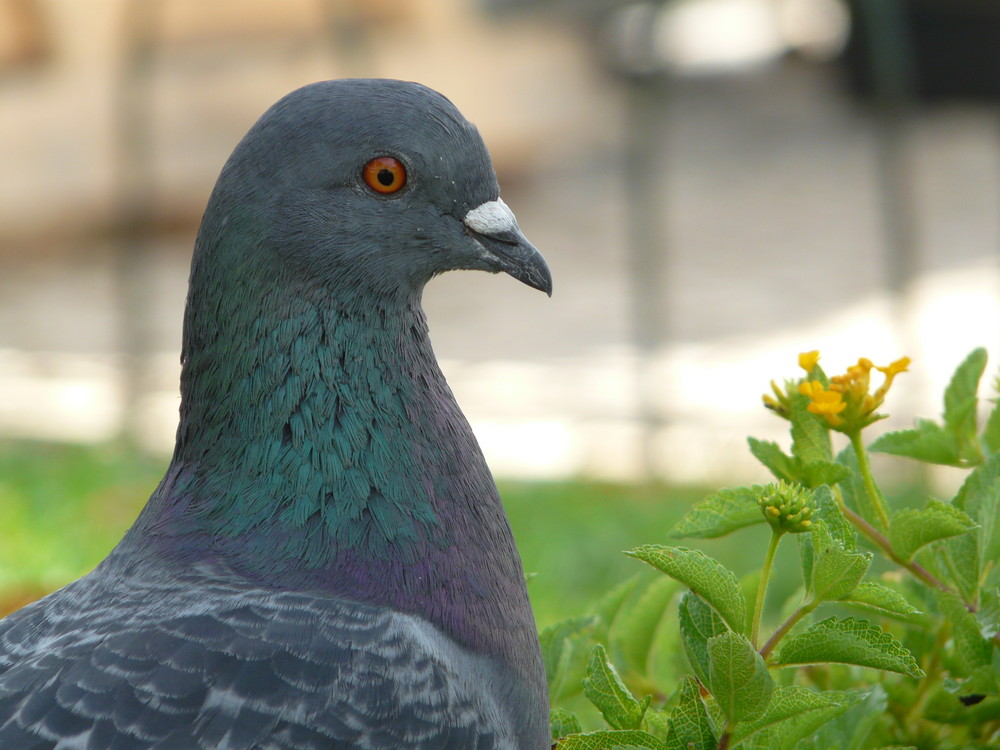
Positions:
{"x": 780, "y": 464}
{"x": 637, "y": 624}
{"x": 563, "y": 723}
{"x": 826, "y": 509}
{"x": 605, "y": 689}
{"x": 816, "y": 473}
{"x": 979, "y": 496}
{"x": 871, "y": 594}
{"x": 810, "y": 438}
{"x": 558, "y": 643}
{"x": 928, "y": 442}
{"x": 698, "y": 624}
{"x": 719, "y": 514}
{"x": 706, "y": 577}
{"x": 610, "y": 739}
{"x": 690, "y": 728}
{"x": 737, "y": 677}
{"x": 848, "y": 641}
{"x": 794, "y": 713}
{"x": 912, "y": 528}
{"x": 835, "y": 571}
{"x": 960, "y": 402}
{"x": 973, "y": 651}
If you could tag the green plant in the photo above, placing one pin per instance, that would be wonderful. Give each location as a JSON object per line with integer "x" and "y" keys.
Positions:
{"x": 892, "y": 638}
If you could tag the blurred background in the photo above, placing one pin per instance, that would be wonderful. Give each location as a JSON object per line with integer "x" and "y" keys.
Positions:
{"x": 716, "y": 184}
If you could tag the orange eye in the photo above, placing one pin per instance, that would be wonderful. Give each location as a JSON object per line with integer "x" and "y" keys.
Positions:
{"x": 385, "y": 174}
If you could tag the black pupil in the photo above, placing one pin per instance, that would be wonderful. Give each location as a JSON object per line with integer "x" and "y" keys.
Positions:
{"x": 386, "y": 177}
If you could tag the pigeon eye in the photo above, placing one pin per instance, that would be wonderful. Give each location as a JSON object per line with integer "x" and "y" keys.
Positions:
{"x": 385, "y": 174}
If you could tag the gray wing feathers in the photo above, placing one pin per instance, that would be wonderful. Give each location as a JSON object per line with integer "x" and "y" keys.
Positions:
{"x": 212, "y": 667}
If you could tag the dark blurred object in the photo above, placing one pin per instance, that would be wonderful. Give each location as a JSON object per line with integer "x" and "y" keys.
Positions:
{"x": 954, "y": 48}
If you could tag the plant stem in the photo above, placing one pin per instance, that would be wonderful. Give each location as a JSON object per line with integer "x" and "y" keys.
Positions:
{"x": 787, "y": 625}
{"x": 724, "y": 738}
{"x": 866, "y": 475}
{"x": 765, "y": 575}
{"x": 880, "y": 540}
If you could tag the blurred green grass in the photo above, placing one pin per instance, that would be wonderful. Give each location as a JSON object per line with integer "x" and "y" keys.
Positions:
{"x": 63, "y": 507}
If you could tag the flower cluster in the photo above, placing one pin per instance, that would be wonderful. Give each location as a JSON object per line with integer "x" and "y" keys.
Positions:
{"x": 844, "y": 402}
{"x": 787, "y": 507}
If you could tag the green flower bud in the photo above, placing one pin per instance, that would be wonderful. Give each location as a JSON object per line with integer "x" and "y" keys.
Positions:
{"x": 787, "y": 507}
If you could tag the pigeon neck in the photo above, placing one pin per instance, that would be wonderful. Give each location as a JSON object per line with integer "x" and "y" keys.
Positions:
{"x": 321, "y": 449}
{"x": 307, "y": 422}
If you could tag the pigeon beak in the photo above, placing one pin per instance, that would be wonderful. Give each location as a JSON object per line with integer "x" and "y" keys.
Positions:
{"x": 495, "y": 230}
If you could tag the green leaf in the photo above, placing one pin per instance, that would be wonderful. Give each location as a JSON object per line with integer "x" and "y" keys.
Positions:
{"x": 835, "y": 571}
{"x": 973, "y": 651}
{"x": 988, "y": 615}
{"x": 928, "y": 442}
{"x": 960, "y": 402}
{"x": 657, "y": 723}
{"x": 979, "y": 496}
{"x": 984, "y": 680}
{"x": 852, "y": 490}
{"x": 737, "y": 677}
{"x": 955, "y": 442}
{"x": 699, "y": 623}
{"x": 605, "y": 689}
{"x": 559, "y": 642}
{"x": 774, "y": 459}
{"x": 991, "y": 433}
{"x": 848, "y": 641}
{"x": 816, "y": 473}
{"x": 810, "y": 436}
{"x": 875, "y": 596}
{"x": 706, "y": 577}
{"x": 690, "y": 728}
{"x": 958, "y": 559}
{"x": 637, "y": 625}
{"x": 827, "y": 510}
{"x": 850, "y": 730}
{"x": 608, "y": 739}
{"x": 609, "y": 606}
{"x": 947, "y": 708}
{"x": 793, "y": 714}
{"x": 720, "y": 513}
{"x": 562, "y": 723}
{"x": 912, "y": 528}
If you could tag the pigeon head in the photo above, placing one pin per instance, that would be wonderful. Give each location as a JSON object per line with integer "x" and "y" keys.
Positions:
{"x": 312, "y": 406}
{"x": 364, "y": 186}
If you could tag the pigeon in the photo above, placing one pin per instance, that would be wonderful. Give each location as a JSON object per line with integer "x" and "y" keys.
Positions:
{"x": 327, "y": 562}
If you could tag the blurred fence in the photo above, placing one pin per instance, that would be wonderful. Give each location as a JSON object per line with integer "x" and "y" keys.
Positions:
{"x": 711, "y": 193}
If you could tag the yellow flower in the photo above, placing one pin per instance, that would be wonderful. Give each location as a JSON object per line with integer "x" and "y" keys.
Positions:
{"x": 779, "y": 402}
{"x": 823, "y": 401}
{"x": 808, "y": 360}
{"x": 846, "y": 403}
